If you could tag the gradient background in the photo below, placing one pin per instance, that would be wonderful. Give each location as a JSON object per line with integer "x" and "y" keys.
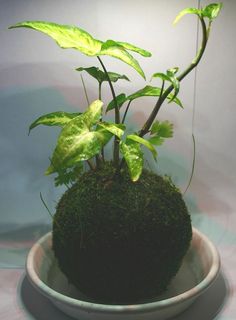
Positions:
{"x": 36, "y": 77}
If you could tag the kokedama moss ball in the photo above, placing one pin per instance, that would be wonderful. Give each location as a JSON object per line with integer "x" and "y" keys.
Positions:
{"x": 118, "y": 241}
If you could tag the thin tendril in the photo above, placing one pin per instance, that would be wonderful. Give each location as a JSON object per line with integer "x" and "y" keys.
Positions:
{"x": 85, "y": 90}
{"x": 194, "y": 110}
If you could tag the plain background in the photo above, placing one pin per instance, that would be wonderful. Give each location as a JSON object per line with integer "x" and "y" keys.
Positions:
{"x": 36, "y": 77}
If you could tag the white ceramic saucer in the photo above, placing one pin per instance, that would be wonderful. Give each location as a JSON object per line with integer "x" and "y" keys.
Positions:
{"x": 199, "y": 269}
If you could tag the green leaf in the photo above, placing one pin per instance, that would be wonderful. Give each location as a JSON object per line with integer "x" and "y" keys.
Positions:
{"x": 93, "y": 113}
{"x": 100, "y": 76}
{"x": 69, "y": 36}
{"x": 68, "y": 176}
{"x": 133, "y": 156}
{"x": 144, "y": 142}
{"x": 113, "y": 49}
{"x": 73, "y": 148}
{"x": 154, "y": 92}
{"x": 121, "y": 98}
{"x": 172, "y": 71}
{"x": 170, "y": 77}
{"x": 77, "y": 142}
{"x": 146, "y": 91}
{"x": 156, "y": 140}
{"x": 133, "y": 48}
{"x": 162, "y": 76}
{"x": 113, "y": 76}
{"x": 66, "y": 36}
{"x": 162, "y": 129}
{"x": 116, "y": 129}
{"x": 174, "y": 80}
{"x": 58, "y": 118}
{"x": 187, "y": 11}
{"x": 212, "y": 10}
{"x": 94, "y": 72}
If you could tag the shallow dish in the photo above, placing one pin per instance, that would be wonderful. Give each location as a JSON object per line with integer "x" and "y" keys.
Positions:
{"x": 199, "y": 269}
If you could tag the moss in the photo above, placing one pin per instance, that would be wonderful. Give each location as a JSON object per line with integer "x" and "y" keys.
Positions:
{"x": 119, "y": 241}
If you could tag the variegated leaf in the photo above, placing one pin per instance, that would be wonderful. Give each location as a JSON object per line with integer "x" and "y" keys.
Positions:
{"x": 133, "y": 156}
{"x": 58, "y": 118}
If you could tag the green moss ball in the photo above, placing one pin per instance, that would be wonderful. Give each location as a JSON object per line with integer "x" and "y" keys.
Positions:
{"x": 118, "y": 241}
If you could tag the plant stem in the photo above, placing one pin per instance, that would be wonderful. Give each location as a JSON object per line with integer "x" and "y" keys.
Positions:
{"x": 91, "y": 166}
{"x": 85, "y": 91}
{"x": 100, "y": 91}
{"x": 100, "y": 98}
{"x": 193, "y": 164}
{"x": 117, "y": 116}
{"x": 194, "y": 63}
{"x": 126, "y": 110}
{"x": 44, "y": 203}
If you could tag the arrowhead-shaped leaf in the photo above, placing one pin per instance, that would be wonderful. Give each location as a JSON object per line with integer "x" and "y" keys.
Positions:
{"x": 187, "y": 11}
{"x": 113, "y": 76}
{"x": 93, "y": 113}
{"x": 144, "y": 142}
{"x": 171, "y": 73}
{"x": 115, "y": 129}
{"x": 66, "y": 36}
{"x": 74, "y": 148}
{"x": 133, "y": 156}
{"x": 154, "y": 92}
{"x": 170, "y": 77}
{"x": 100, "y": 76}
{"x": 76, "y": 142}
{"x": 113, "y": 49}
{"x": 133, "y": 48}
{"x": 160, "y": 75}
{"x": 58, "y": 118}
{"x": 94, "y": 72}
{"x": 121, "y": 98}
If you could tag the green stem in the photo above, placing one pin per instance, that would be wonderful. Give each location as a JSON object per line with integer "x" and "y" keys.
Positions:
{"x": 117, "y": 116}
{"x": 85, "y": 91}
{"x": 194, "y": 63}
{"x": 44, "y": 203}
{"x": 126, "y": 110}
{"x": 100, "y": 91}
{"x": 100, "y": 98}
{"x": 91, "y": 166}
{"x": 193, "y": 164}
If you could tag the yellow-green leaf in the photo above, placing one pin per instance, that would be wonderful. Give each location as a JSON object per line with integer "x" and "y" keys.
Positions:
{"x": 131, "y": 47}
{"x": 69, "y": 36}
{"x": 93, "y": 113}
{"x": 113, "y": 49}
{"x": 133, "y": 156}
{"x": 187, "y": 11}
{"x": 66, "y": 36}
{"x": 212, "y": 10}
{"x": 116, "y": 129}
{"x": 77, "y": 141}
{"x": 58, "y": 118}
{"x": 144, "y": 142}
{"x": 154, "y": 92}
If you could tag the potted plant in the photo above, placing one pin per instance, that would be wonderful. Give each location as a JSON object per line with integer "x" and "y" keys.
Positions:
{"x": 120, "y": 231}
